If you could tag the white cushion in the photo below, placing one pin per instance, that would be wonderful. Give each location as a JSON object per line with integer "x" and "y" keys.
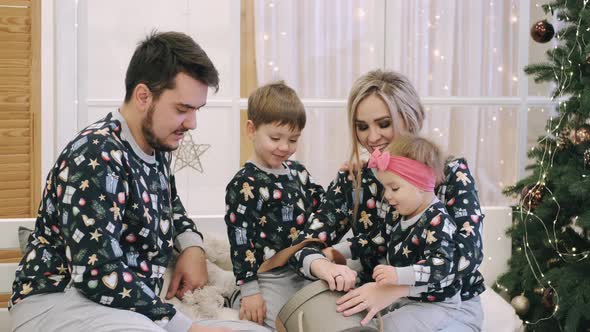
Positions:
{"x": 498, "y": 315}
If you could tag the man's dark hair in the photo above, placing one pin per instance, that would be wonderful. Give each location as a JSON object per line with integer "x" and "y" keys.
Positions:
{"x": 161, "y": 56}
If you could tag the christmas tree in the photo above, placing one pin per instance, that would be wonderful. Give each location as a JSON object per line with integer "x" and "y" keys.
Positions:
{"x": 549, "y": 272}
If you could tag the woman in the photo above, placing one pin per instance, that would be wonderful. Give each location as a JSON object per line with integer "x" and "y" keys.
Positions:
{"x": 381, "y": 106}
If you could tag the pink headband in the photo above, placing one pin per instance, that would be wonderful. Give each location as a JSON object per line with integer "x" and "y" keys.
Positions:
{"x": 415, "y": 172}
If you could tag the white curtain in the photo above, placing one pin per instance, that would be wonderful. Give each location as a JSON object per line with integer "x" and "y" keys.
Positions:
{"x": 467, "y": 49}
{"x": 451, "y": 48}
{"x": 319, "y": 48}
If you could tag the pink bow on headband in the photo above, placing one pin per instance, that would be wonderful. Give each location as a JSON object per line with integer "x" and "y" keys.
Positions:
{"x": 379, "y": 160}
{"x": 415, "y": 172}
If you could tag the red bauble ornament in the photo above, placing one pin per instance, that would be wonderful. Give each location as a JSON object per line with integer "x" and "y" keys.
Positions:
{"x": 542, "y": 31}
{"x": 548, "y": 301}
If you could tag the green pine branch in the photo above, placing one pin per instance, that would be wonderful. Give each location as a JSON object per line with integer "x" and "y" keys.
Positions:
{"x": 548, "y": 238}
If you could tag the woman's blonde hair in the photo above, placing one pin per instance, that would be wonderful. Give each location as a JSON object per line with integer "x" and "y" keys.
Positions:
{"x": 419, "y": 149}
{"x": 401, "y": 98}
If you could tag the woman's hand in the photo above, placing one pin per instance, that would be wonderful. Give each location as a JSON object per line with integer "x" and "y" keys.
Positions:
{"x": 385, "y": 275}
{"x": 338, "y": 277}
{"x": 371, "y": 297}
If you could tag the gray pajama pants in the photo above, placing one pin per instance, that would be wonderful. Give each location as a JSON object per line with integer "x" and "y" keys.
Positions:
{"x": 408, "y": 315}
{"x": 277, "y": 287}
{"x": 70, "y": 311}
{"x": 470, "y": 318}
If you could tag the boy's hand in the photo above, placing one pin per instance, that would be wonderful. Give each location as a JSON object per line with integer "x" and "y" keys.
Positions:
{"x": 253, "y": 308}
{"x": 385, "y": 275}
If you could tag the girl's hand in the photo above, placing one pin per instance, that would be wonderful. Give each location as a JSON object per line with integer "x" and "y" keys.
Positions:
{"x": 370, "y": 297}
{"x": 385, "y": 275}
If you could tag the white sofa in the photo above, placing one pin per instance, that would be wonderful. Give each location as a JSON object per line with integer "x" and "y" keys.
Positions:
{"x": 496, "y": 245}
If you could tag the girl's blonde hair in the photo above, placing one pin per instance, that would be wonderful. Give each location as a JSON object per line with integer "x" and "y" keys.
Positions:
{"x": 419, "y": 149}
{"x": 396, "y": 91}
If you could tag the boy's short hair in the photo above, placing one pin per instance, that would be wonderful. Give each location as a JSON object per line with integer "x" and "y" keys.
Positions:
{"x": 419, "y": 149}
{"x": 276, "y": 102}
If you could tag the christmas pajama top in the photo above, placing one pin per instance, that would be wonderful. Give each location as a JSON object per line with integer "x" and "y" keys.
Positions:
{"x": 265, "y": 210}
{"x": 108, "y": 221}
{"x": 421, "y": 248}
{"x": 334, "y": 216}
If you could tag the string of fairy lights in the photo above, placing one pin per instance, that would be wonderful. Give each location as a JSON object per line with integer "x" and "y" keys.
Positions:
{"x": 563, "y": 78}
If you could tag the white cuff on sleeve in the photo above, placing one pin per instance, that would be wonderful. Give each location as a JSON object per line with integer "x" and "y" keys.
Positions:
{"x": 188, "y": 239}
{"x": 307, "y": 264}
{"x": 250, "y": 288}
{"x": 417, "y": 290}
{"x": 406, "y": 275}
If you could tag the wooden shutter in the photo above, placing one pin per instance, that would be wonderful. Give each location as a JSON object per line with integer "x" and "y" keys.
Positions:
{"x": 20, "y": 92}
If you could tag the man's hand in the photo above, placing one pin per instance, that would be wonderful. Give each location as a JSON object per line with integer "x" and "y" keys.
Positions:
{"x": 190, "y": 273}
{"x": 338, "y": 277}
{"x": 385, "y": 275}
{"x": 370, "y": 297}
{"x": 200, "y": 328}
{"x": 253, "y": 308}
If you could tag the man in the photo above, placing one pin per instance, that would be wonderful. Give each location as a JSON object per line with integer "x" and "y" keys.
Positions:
{"x": 110, "y": 217}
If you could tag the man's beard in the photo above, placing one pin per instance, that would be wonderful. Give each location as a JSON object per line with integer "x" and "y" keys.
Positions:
{"x": 147, "y": 128}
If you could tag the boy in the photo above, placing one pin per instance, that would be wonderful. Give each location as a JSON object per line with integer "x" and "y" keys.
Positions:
{"x": 268, "y": 202}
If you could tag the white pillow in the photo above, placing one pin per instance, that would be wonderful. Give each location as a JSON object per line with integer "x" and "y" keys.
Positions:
{"x": 498, "y": 315}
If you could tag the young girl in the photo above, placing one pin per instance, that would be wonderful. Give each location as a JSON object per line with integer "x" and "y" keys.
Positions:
{"x": 418, "y": 239}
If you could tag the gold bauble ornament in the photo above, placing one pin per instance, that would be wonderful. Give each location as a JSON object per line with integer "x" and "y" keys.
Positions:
{"x": 531, "y": 197}
{"x": 520, "y": 304}
{"x": 551, "y": 262}
{"x": 580, "y": 135}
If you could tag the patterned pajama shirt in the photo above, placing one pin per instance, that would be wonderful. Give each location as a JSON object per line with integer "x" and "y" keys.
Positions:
{"x": 334, "y": 217}
{"x": 107, "y": 223}
{"x": 265, "y": 211}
